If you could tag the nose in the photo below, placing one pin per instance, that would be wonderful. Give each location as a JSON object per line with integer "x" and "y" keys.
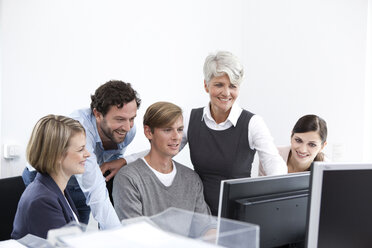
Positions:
{"x": 86, "y": 154}
{"x": 226, "y": 91}
{"x": 176, "y": 135}
{"x": 302, "y": 147}
{"x": 127, "y": 125}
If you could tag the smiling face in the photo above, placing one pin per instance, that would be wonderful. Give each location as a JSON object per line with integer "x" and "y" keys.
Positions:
{"x": 74, "y": 160}
{"x": 165, "y": 141}
{"x": 305, "y": 147}
{"x": 114, "y": 126}
{"x": 222, "y": 94}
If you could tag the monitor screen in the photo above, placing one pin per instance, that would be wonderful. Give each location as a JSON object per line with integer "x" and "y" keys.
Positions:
{"x": 278, "y": 204}
{"x": 340, "y": 209}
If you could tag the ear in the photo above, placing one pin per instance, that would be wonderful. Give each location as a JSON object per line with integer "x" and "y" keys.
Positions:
{"x": 97, "y": 114}
{"x": 147, "y": 132}
{"x": 206, "y": 87}
{"x": 324, "y": 144}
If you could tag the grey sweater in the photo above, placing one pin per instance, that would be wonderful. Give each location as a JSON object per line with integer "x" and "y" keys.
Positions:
{"x": 138, "y": 192}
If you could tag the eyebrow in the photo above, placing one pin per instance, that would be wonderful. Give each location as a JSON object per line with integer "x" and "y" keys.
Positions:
{"x": 121, "y": 117}
{"x": 307, "y": 141}
{"x": 175, "y": 127}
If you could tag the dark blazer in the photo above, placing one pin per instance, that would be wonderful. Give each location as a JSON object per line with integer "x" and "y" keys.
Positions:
{"x": 42, "y": 207}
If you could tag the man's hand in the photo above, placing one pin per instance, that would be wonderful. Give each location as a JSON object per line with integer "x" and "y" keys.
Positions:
{"x": 113, "y": 167}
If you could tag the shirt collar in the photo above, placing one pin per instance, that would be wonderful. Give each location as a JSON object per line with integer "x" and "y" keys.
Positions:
{"x": 96, "y": 134}
{"x": 233, "y": 117}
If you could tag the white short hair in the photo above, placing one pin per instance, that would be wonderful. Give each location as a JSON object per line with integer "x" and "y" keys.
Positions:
{"x": 220, "y": 63}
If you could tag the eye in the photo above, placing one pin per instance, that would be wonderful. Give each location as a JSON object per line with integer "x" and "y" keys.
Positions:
{"x": 167, "y": 130}
{"x": 312, "y": 145}
{"x": 180, "y": 129}
{"x": 218, "y": 85}
{"x": 298, "y": 140}
{"x": 233, "y": 86}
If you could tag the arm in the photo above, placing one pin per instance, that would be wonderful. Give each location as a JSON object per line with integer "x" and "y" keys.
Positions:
{"x": 200, "y": 204}
{"x": 115, "y": 165}
{"x": 259, "y": 138}
{"x": 44, "y": 213}
{"x": 93, "y": 184}
{"x": 126, "y": 196}
{"x": 202, "y": 225}
{"x": 112, "y": 166}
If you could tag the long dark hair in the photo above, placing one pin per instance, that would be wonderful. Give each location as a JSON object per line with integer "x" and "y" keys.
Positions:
{"x": 309, "y": 123}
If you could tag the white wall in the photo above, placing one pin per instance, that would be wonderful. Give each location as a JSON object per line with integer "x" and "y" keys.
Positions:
{"x": 308, "y": 57}
{"x": 367, "y": 147}
{"x": 301, "y": 56}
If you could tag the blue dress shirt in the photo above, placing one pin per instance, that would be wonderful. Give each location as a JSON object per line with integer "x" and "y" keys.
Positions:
{"x": 92, "y": 182}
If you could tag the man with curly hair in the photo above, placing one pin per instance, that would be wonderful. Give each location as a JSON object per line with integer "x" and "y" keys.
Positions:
{"x": 109, "y": 126}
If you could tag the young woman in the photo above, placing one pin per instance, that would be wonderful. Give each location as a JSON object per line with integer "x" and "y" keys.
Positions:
{"x": 57, "y": 151}
{"x": 308, "y": 139}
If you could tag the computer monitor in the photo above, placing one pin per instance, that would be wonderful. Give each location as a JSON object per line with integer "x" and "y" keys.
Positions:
{"x": 340, "y": 208}
{"x": 278, "y": 204}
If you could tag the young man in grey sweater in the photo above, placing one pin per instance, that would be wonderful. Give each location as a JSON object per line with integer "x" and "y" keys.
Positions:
{"x": 155, "y": 182}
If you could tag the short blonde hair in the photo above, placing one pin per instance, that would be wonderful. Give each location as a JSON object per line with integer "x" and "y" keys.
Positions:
{"x": 161, "y": 114}
{"x": 49, "y": 141}
{"x": 221, "y": 63}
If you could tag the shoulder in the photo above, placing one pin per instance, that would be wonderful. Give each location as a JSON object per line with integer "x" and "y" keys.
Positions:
{"x": 197, "y": 111}
{"x": 257, "y": 123}
{"x": 133, "y": 169}
{"x": 81, "y": 114}
{"x": 38, "y": 195}
{"x": 246, "y": 112}
{"x": 186, "y": 172}
{"x": 284, "y": 152}
{"x": 85, "y": 117}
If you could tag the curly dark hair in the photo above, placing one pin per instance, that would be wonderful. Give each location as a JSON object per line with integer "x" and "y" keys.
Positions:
{"x": 113, "y": 93}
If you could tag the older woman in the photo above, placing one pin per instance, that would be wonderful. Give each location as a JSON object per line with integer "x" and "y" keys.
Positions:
{"x": 308, "y": 139}
{"x": 223, "y": 138}
{"x": 57, "y": 151}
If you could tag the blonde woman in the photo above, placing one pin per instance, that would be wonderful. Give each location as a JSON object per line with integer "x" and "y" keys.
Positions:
{"x": 57, "y": 151}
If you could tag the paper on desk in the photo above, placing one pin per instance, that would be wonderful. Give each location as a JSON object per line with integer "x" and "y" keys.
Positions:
{"x": 139, "y": 235}
{"x": 11, "y": 243}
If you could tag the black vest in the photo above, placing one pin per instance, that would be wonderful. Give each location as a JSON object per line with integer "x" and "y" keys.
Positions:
{"x": 219, "y": 155}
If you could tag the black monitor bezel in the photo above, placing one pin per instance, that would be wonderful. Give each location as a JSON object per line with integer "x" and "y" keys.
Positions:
{"x": 297, "y": 183}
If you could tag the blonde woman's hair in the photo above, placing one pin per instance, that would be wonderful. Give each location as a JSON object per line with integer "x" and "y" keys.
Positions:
{"x": 49, "y": 141}
{"x": 161, "y": 114}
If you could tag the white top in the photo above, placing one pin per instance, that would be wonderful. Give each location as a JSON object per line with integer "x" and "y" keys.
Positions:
{"x": 73, "y": 213}
{"x": 164, "y": 178}
{"x": 283, "y": 152}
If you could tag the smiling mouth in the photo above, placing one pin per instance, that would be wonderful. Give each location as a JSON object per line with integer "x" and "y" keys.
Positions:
{"x": 224, "y": 99}
{"x": 302, "y": 155}
{"x": 174, "y": 146}
{"x": 120, "y": 133}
